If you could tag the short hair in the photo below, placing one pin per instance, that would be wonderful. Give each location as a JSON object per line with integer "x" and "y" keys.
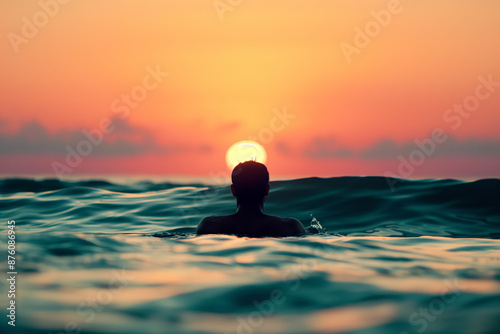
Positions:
{"x": 250, "y": 180}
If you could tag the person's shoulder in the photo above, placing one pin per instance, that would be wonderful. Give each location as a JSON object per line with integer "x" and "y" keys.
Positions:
{"x": 286, "y": 220}
{"x": 206, "y": 225}
{"x": 290, "y": 226}
{"x": 296, "y": 226}
{"x": 291, "y": 220}
{"x": 210, "y": 224}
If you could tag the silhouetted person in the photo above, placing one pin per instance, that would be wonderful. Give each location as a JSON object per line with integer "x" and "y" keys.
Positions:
{"x": 250, "y": 187}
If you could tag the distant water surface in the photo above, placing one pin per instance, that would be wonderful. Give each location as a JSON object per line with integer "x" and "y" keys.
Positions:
{"x": 381, "y": 256}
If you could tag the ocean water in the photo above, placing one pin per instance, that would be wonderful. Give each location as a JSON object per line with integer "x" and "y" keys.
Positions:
{"x": 381, "y": 256}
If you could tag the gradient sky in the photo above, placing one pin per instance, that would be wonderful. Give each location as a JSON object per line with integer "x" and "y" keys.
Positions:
{"x": 275, "y": 71}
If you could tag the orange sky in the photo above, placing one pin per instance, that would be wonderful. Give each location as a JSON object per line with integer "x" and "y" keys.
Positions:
{"x": 231, "y": 69}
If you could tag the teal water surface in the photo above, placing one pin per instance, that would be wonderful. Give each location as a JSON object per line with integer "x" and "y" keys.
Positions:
{"x": 388, "y": 256}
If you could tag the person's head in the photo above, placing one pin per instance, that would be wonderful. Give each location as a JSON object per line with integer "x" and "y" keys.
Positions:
{"x": 250, "y": 182}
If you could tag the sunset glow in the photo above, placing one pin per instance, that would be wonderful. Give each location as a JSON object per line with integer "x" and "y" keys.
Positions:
{"x": 329, "y": 88}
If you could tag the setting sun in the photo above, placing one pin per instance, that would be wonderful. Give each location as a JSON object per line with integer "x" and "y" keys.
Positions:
{"x": 244, "y": 151}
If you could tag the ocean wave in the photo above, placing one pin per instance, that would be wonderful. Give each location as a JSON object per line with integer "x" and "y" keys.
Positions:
{"x": 109, "y": 257}
{"x": 344, "y": 205}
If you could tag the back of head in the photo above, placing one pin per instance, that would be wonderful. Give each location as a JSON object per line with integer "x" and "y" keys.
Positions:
{"x": 250, "y": 181}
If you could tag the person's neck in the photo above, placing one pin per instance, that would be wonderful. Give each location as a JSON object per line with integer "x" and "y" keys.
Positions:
{"x": 250, "y": 208}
